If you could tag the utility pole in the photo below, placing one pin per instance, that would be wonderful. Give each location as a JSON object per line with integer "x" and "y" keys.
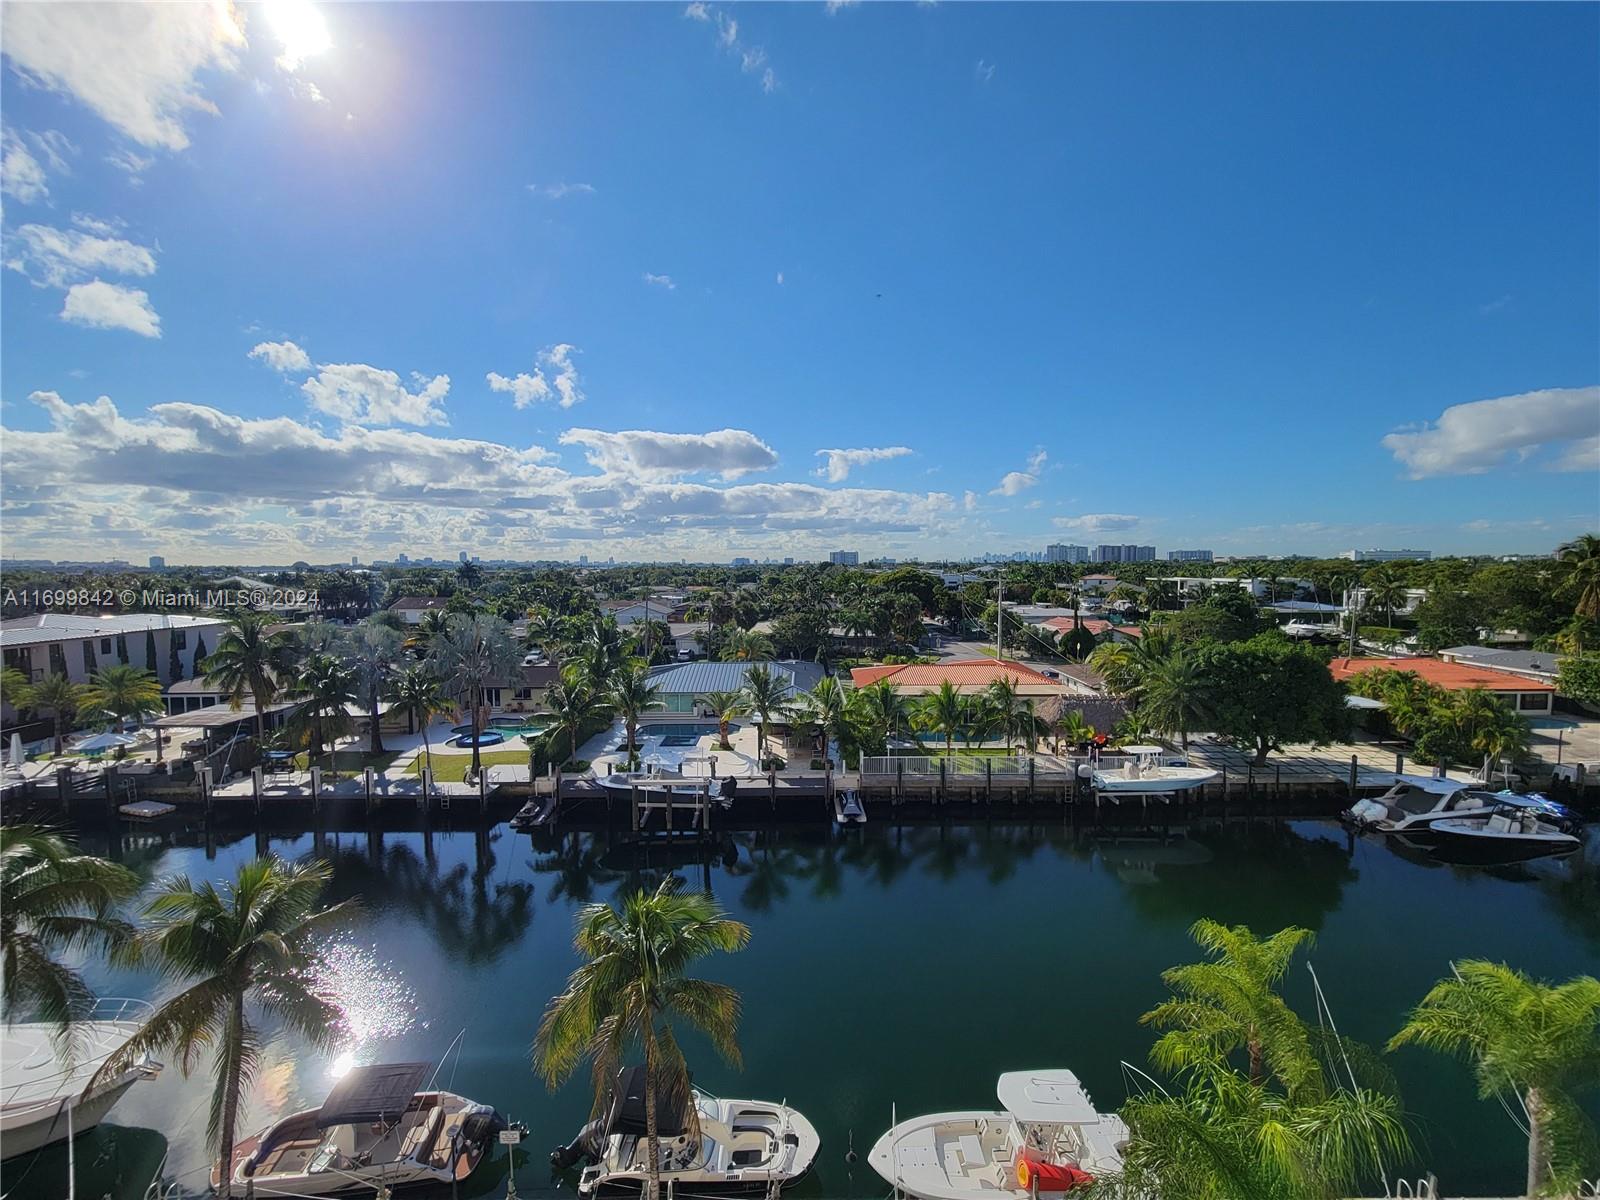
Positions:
{"x": 1000, "y": 619}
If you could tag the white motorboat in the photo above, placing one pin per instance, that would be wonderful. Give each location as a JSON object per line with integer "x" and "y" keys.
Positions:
{"x": 720, "y": 1147}
{"x": 1144, "y": 774}
{"x": 848, "y": 809}
{"x": 1412, "y": 805}
{"x": 1047, "y": 1138}
{"x": 374, "y": 1132}
{"x": 45, "y": 1096}
{"x": 1505, "y": 833}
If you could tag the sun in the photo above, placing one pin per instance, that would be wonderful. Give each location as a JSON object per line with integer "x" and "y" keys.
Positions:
{"x": 299, "y": 26}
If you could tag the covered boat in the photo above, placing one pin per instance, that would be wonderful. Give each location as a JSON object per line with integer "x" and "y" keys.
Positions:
{"x": 374, "y": 1131}
{"x": 1047, "y": 1138}
{"x": 709, "y": 1147}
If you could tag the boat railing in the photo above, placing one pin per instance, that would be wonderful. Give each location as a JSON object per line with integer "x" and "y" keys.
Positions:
{"x": 963, "y": 769}
{"x": 89, "y": 1046}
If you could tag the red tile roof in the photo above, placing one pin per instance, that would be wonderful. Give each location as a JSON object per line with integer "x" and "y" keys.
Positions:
{"x": 1450, "y": 676}
{"x": 967, "y": 675}
{"x": 1067, "y": 624}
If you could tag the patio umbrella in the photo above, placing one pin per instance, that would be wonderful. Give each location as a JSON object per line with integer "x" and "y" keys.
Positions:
{"x": 105, "y": 741}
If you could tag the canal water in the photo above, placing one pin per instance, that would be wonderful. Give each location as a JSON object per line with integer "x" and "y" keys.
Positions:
{"x": 891, "y": 968}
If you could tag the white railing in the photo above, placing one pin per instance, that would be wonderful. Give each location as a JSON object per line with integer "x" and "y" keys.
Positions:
{"x": 967, "y": 769}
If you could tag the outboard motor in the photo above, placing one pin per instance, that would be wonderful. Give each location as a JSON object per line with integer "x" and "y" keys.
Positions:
{"x": 583, "y": 1148}
{"x": 482, "y": 1124}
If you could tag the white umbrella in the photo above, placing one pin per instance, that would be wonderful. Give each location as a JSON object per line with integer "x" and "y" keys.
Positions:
{"x": 105, "y": 741}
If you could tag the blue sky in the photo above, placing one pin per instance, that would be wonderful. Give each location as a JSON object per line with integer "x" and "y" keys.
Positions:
{"x": 547, "y": 280}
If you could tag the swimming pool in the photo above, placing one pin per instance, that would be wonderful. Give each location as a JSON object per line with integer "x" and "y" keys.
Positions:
{"x": 693, "y": 729}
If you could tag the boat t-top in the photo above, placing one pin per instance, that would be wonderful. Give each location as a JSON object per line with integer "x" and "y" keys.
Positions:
{"x": 374, "y": 1132}
{"x": 1144, "y": 774}
{"x": 49, "y": 1095}
{"x": 1046, "y": 1138}
{"x": 712, "y": 1147}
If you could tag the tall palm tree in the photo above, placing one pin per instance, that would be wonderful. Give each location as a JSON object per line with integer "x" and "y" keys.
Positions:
{"x": 1175, "y": 697}
{"x": 601, "y": 652}
{"x": 472, "y": 654}
{"x": 417, "y": 694}
{"x": 125, "y": 693}
{"x": 945, "y": 711}
{"x": 630, "y": 696}
{"x": 886, "y": 709}
{"x": 250, "y": 660}
{"x": 728, "y": 707}
{"x": 374, "y": 651}
{"x": 1231, "y": 1003}
{"x": 252, "y": 944}
{"x": 767, "y": 697}
{"x": 14, "y": 689}
{"x": 326, "y": 688}
{"x": 1385, "y": 591}
{"x": 827, "y": 706}
{"x": 743, "y": 646}
{"x": 631, "y": 986}
{"x": 428, "y": 627}
{"x": 58, "y": 696}
{"x": 53, "y": 901}
{"x": 1001, "y": 708}
{"x": 573, "y": 704}
{"x": 1536, "y": 1040}
{"x": 1582, "y": 583}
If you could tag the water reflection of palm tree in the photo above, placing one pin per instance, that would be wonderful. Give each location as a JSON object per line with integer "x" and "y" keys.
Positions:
{"x": 473, "y": 922}
{"x": 577, "y": 869}
{"x": 767, "y": 871}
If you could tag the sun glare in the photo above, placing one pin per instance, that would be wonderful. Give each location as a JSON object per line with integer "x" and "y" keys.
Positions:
{"x": 299, "y": 26}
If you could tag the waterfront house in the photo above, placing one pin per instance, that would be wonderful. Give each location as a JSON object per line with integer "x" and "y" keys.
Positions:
{"x": 1530, "y": 664}
{"x": 411, "y": 608}
{"x": 968, "y": 676}
{"x": 680, "y": 685}
{"x": 1529, "y": 697}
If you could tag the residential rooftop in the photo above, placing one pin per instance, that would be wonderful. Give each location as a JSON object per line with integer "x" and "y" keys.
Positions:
{"x": 38, "y": 628}
{"x": 966, "y": 675}
{"x": 1451, "y": 676}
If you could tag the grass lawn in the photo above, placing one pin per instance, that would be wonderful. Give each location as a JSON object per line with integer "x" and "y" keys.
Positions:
{"x": 349, "y": 762}
{"x": 452, "y": 768}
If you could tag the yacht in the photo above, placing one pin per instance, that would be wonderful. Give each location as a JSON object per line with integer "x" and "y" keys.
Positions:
{"x": 1504, "y": 833}
{"x": 1047, "y": 1137}
{"x": 375, "y": 1131}
{"x": 1415, "y": 805}
{"x": 47, "y": 1095}
{"x": 1144, "y": 774}
{"x": 713, "y": 1147}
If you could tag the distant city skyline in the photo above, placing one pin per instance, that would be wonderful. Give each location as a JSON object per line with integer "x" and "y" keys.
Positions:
{"x": 652, "y": 283}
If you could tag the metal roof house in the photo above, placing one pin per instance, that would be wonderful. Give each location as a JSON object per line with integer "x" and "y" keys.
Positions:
{"x": 1530, "y": 664}
{"x": 680, "y": 683}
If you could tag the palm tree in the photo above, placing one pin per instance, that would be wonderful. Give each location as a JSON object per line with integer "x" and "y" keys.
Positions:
{"x": 123, "y": 692}
{"x": 631, "y": 696}
{"x": 1074, "y": 727}
{"x": 14, "y": 689}
{"x": 767, "y": 697}
{"x": 326, "y": 688}
{"x": 1489, "y": 726}
{"x": 573, "y": 704}
{"x": 1174, "y": 696}
{"x": 54, "y": 900}
{"x": 601, "y": 653}
{"x": 1385, "y": 591}
{"x": 253, "y": 943}
{"x": 374, "y": 651}
{"x": 250, "y": 660}
{"x": 428, "y": 627}
{"x": 945, "y": 711}
{"x": 743, "y": 646}
{"x": 417, "y": 694}
{"x": 1583, "y": 580}
{"x": 1001, "y": 708}
{"x": 631, "y": 986}
{"x": 885, "y": 710}
{"x": 728, "y": 707}
{"x": 827, "y": 707}
{"x": 1231, "y": 1003}
{"x": 472, "y": 654}
{"x": 58, "y": 696}
{"x": 1537, "y": 1040}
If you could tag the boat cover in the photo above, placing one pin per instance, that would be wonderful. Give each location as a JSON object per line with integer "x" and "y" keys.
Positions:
{"x": 627, "y": 1107}
{"x": 369, "y": 1095}
{"x": 1046, "y": 1098}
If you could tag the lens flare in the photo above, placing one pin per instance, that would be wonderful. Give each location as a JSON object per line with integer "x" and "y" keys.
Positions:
{"x": 299, "y": 28}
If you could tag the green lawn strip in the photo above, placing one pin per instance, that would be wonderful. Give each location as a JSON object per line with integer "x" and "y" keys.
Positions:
{"x": 348, "y": 762}
{"x": 452, "y": 768}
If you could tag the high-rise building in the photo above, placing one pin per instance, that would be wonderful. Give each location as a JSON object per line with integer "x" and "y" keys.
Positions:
{"x": 157, "y": 563}
{"x": 741, "y": 561}
{"x": 462, "y": 556}
{"x": 845, "y": 558}
{"x": 1066, "y": 553}
{"x": 1129, "y": 553}
{"x": 1386, "y": 555}
{"x": 1189, "y": 556}
{"x": 403, "y": 558}
{"x": 354, "y": 561}
{"x": 583, "y": 560}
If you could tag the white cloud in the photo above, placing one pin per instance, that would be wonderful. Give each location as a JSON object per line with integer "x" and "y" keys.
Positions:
{"x": 1495, "y": 305}
{"x": 642, "y": 454}
{"x": 22, "y": 177}
{"x": 969, "y": 501}
{"x": 1096, "y": 522}
{"x": 834, "y": 6}
{"x": 134, "y": 164}
{"x": 102, "y": 305}
{"x": 1036, "y": 460}
{"x": 837, "y": 468}
{"x": 58, "y": 257}
{"x": 661, "y": 281}
{"x": 780, "y": 278}
{"x": 1013, "y": 482}
{"x": 282, "y": 356}
{"x": 558, "y": 191}
{"x": 136, "y": 65}
{"x": 1469, "y": 439}
{"x": 752, "y": 58}
{"x": 363, "y": 395}
{"x": 983, "y": 71}
{"x": 561, "y": 384}
{"x": 100, "y": 226}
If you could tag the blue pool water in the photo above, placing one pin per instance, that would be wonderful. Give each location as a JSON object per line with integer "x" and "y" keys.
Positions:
{"x": 686, "y": 729}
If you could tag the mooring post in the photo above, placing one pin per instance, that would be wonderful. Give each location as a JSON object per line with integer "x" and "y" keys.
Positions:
{"x": 944, "y": 793}
{"x": 206, "y": 796}
{"x": 1031, "y": 761}
{"x": 1399, "y": 763}
{"x": 633, "y": 803}
{"x": 316, "y": 787}
{"x": 988, "y": 780}
{"x": 257, "y": 783}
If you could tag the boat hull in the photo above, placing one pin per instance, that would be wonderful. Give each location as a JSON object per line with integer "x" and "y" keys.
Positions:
{"x": 25, "y": 1132}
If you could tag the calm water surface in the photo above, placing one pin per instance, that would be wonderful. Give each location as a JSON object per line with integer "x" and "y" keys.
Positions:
{"x": 902, "y": 966}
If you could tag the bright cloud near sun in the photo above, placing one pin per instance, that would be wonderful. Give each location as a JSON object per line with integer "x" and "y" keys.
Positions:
{"x": 300, "y": 28}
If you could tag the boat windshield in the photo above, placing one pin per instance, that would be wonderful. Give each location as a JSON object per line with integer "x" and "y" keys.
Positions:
{"x": 1414, "y": 802}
